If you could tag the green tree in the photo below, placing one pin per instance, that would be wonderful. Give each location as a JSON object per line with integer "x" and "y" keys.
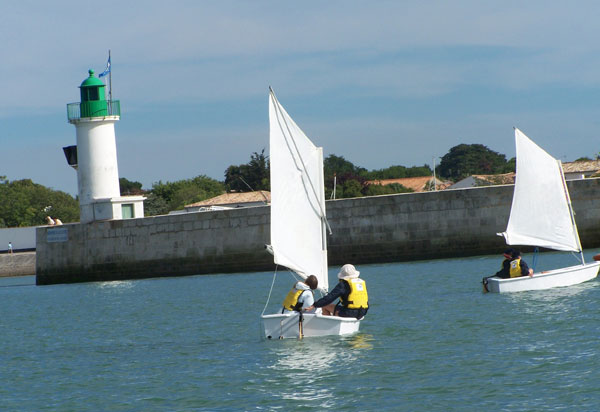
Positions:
{"x": 351, "y": 188}
{"x": 24, "y": 203}
{"x": 376, "y": 190}
{"x": 182, "y": 192}
{"x": 253, "y": 175}
{"x": 399, "y": 172}
{"x": 465, "y": 160}
{"x": 349, "y": 179}
{"x": 511, "y": 165}
{"x": 340, "y": 166}
{"x": 130, "y": 188}
{"x": 155, "y": 205}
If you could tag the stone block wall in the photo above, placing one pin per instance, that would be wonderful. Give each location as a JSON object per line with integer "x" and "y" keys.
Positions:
{"x": 17, "y": 264}
{"x": 403, "y": 227}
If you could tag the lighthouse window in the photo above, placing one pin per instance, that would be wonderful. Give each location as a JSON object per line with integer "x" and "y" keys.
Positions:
{"x": 93, "y": 93}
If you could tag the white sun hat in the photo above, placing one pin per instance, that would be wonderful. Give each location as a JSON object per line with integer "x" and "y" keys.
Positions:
{"x": 348, "y": 271}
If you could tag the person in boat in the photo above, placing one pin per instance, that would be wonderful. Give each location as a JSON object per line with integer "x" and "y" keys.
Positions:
{"x": 352, "y": 292}
{"x": 300, "y": 297}
{"x": 513, "y": 266}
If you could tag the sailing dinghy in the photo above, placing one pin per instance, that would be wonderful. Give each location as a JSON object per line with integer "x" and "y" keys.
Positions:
{"x": 298, "y": 224}
{"x": 541, "y": 215}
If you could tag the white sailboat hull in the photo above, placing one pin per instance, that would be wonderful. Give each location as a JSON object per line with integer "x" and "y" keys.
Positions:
{"x": 286, "y": 325}
{"x": 545, "y": 280}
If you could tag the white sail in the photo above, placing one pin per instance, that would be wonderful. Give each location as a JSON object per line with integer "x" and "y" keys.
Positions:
{"x": 297, "y": 198}
{"x": 298, "y": 224}
{"x": 540, "y": 214}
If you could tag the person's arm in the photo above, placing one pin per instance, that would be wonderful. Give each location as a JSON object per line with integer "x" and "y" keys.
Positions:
{"x": 525, "y": 270}
{"x": 337, "y": 291}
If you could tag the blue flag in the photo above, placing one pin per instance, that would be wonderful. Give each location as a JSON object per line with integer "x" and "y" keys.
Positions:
{"x": 107, "y": 70}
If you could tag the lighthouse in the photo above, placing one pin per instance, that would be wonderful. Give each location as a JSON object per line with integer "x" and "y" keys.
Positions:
{"x": 95, "y": 156}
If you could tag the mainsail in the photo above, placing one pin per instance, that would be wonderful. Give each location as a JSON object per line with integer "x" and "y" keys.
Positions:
{"x": 297, "y": 198}
{"x": 541, "y": 214}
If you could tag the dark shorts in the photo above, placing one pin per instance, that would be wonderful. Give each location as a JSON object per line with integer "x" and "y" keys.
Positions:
{"x": 350, "y": 313}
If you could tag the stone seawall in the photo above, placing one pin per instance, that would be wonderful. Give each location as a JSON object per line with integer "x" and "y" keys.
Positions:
{"x": 365, "y": 230}
{"x": 17, "y": 264}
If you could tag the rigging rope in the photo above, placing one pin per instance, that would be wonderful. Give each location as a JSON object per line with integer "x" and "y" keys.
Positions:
{"x": 270, "y": 290}
{"x": 579, "y": 257}
{"x": 297, "y": 279}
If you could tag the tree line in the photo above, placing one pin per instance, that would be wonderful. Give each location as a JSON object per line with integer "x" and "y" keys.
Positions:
{"x": 24, "y": 203}
{"x": 352, "y": 181}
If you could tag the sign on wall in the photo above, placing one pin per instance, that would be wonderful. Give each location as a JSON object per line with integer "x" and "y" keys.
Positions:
{"x": 59, "y": 234}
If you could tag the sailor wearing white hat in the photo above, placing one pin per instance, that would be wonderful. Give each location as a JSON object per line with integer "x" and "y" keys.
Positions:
{"x": 352, "y": 292}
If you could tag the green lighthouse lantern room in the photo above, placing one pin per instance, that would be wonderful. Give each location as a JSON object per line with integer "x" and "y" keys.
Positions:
{"x": 93, "y": 100}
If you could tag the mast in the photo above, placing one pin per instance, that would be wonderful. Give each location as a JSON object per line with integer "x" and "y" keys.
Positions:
{"x": 571, "y": 213}
{"x": 324, "y": 223}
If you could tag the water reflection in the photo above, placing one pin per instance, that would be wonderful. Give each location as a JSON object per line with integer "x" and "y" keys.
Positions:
{"x": 116, "y": 285}
{"x": 306, "y": 370}
{"x": 558, "y": 299}
{"x": 360, "y": 341}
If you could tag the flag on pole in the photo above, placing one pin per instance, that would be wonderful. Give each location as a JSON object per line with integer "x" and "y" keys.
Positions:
{"x": 107, "y": 70}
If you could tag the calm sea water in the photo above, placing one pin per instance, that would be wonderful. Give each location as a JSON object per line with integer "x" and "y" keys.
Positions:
{"x": 432, "y": 341}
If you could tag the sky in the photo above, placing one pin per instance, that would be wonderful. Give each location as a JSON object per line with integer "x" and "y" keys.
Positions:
{"x": 380, "y": 83}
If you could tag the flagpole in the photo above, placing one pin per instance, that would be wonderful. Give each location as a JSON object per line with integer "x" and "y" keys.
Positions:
{"x": 110, "y": 80}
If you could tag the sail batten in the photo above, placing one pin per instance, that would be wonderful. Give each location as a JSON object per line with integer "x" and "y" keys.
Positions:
{"x": 541, "y": 213}
{"x": 297, "y": 198}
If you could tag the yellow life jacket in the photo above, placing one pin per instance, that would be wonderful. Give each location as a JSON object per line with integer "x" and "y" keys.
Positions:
{"x": 515, "y": 268}
{"x": 358, "y": 297}
{"x": 291, "y": 300}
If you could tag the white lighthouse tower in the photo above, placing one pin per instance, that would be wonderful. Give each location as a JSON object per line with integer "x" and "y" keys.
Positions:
{"x": 95, "y": 156}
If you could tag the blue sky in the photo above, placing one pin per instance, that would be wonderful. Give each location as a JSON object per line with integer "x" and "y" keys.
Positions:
{"x": 381, "y": 83}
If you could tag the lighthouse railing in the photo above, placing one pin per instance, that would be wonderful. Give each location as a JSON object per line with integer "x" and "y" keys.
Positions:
{"x": 74, "y": 109}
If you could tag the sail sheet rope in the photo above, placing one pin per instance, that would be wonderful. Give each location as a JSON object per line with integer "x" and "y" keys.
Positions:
{"x": 273, "y": 283}
{"x": 270, "y": 291}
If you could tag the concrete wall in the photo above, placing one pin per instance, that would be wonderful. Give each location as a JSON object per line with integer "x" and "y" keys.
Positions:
{"x": 186, "y": 244}
{"x": 17, "y": 264}
{"x": 443, "y": 224}
{"x": 377, "y": 229}
{"x": 22, "y": 238}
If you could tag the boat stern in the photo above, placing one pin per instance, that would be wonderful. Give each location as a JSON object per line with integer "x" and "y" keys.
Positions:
{"x": 287, "y": 325}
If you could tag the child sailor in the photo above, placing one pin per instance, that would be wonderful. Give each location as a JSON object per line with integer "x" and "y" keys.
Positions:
{"x": 300, "y": 297}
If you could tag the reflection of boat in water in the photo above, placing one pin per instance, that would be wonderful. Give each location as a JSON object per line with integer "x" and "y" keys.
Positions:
{"x": 559, "y": 300}
{"x": 313, "y": 356}
{"x": 298, "y": 224}
{"x": 308, "y": 363}
{"x": 541, "y": 215}
{"x": 360, "y": 341}
{"x": 303, "y": 364}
